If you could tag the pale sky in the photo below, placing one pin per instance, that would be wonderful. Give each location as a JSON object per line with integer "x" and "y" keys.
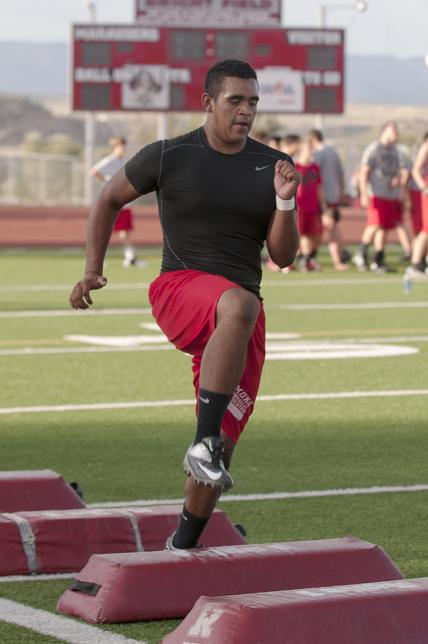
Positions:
{"x": 388, "y": 27}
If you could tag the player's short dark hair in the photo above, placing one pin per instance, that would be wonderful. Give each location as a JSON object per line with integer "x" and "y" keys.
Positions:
{"x": 230, "y": 67}
{"x": 316, "y": 134}
{"x": 116, "y": 140}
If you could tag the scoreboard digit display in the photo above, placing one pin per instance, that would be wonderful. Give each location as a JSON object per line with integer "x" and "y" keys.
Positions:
{"x": 135, "y": 67}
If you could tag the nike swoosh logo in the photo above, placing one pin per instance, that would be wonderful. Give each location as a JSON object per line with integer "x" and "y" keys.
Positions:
{"x": 204, "y": 400}
{"x": 212, "y": 475}
{"x": 263, "y": 167}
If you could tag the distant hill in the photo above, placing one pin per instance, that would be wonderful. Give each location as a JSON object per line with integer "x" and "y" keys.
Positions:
{"x": 34, "y": 69}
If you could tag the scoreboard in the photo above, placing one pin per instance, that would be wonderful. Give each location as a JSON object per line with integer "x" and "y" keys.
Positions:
{"x": 136, "y": 67}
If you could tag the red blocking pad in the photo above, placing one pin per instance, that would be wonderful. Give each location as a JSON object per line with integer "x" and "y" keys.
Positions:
{"x": 36, "y": 490}
{"x": 63, "y": 540}
{"x": 392, "y": 612}
{"x": 12, "y": 556}
{"x": 156, "y": 523}
{"x": 163, "y": 585}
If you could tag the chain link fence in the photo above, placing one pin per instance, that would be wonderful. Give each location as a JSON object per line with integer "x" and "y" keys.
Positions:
{"x": 54, "y": 179}
{"x": 33, "y": 179}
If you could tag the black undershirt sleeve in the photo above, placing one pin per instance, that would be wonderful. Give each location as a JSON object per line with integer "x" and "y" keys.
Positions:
{"x": 143, "y": 170}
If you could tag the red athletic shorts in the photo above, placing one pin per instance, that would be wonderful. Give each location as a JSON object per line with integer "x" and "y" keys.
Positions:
{"x": 424, "y": 213}
{"x": 124, "y": 220}
{"x": 184, "y": 305}
{"x": 416, "y": 210}
{"x": 309, "y": 223}
{"x": 386, "y": 213}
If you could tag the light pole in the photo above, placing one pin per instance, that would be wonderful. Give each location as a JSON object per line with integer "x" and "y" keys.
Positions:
{"x": 358, "y": 5}
{"x": 89, "y": 6}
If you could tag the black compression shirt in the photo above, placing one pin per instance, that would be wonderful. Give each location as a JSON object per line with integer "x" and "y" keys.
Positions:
{"x": 214, "y": 208}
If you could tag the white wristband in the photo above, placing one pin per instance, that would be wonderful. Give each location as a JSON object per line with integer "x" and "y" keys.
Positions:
{"x": 285, "y": 204}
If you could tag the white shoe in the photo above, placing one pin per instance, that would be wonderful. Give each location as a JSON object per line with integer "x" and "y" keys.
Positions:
{"x": 415, "y": 274}
{"x": 134, "y": 261}
{"x": 204, "y": 462}
{"x": 359, "y": 262}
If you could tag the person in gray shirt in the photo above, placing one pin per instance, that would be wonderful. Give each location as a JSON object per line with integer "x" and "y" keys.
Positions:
{"x": 383, "y": 175}
{"x": 333, "y": 183}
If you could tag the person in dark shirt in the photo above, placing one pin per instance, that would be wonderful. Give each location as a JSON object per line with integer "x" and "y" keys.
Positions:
{"x": 221, "y": 195}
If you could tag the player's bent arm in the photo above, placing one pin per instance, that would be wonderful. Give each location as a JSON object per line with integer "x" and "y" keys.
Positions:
{"x": 113, "y": 196}
{"x": 363, "y": 181}
{"x": 97, "y": 175}
{"x": 117, "y": 192}
{"x": 418, "y": 170}
{"x": 282, "y": 238}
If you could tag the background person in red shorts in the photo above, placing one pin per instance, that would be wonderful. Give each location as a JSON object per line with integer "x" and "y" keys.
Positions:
{"x": 381, "y": 179}
{"x": 310, "y": 204}
{"x": 418, "y": 268}
{"x": 104, "y": 170}
{"x": 221, "y": 195}
{"x": 333, "y": 183}
{"x": 413, "y": 199}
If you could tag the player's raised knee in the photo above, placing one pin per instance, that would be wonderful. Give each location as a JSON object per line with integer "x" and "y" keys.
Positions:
{"x": 239, "y": 307}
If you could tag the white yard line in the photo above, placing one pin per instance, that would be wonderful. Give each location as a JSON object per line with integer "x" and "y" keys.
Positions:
{"x": 62, "y": 628}
{"x": 396, "y": 338}
{"x": 334, "y": 281}
{"x": 349, "y": 307}
{"x": 274, "y": 496}
{"x": 53, "y": 577}
{"x": 186, "y": 402}
{"x": 146, "y": 311}
{"x": 65, "y": 313}
{"x": 41, "y": 351}
{"x": 304, "y": 349}
{"x": 46, "y": 288}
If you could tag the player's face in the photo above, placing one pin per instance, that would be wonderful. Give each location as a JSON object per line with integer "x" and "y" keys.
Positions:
{"x": 390, "y": 134}
{"x": 234, "y": 110}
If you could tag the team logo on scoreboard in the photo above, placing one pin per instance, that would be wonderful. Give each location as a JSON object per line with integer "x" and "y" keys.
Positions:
{"x": 147, "y": 87}
{"x": 281, "y": 89}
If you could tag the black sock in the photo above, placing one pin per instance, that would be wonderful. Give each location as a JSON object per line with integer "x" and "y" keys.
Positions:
{"x": 420, "y": 266}
{"x": 365, "y": 251}
{"x": 313, "y": 254}
{"x": 211, "y": 409}
{"x": 379, "y": 257}
{"x": 189, "y": 530}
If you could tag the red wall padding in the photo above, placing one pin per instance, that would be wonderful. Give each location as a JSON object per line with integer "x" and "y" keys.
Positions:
{"x": 36, "y": 490}
{"x": 64, "y": 540}
{"x": 161, "y": 585}
{"x": 392, "y": 612}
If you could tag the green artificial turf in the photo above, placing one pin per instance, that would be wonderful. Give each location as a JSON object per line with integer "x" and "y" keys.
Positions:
{"x": 289, "y": 446}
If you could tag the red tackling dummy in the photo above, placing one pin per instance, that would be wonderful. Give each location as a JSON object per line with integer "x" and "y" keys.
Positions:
{"x": 163, "y": 585}
{"x": 36, "y": 490}
{"x": 392, "y": 612}
{"x": 62, "y": 541}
